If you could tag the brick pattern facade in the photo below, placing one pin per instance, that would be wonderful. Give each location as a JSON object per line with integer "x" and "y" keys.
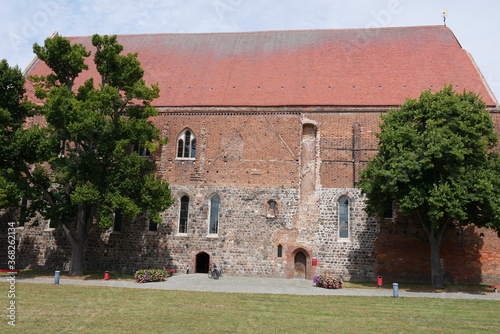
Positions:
{"x": 304, "y": 159}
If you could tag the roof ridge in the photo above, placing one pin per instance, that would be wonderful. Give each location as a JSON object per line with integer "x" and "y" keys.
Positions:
{"x": 270, "y": 31}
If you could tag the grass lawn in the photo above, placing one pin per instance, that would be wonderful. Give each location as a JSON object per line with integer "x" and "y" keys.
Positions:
{"x": 48, "y": 308}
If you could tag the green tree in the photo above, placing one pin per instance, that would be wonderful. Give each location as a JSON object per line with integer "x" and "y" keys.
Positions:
{"x": 436, "y": 161}
{"x": 13, "y": 111}
{"x": 83, "y": 163}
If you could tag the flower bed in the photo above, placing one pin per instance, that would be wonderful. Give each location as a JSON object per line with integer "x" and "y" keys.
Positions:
{"x": 150, "y": 275}
{"x": 328, "y": 281}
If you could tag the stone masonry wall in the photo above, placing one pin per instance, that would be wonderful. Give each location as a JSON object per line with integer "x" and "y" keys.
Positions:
{"x": 249, "y": 157}
{"x": 247, "y": 240}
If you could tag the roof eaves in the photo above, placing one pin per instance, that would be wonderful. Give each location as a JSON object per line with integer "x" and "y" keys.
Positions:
{"x": 483, "y": 79}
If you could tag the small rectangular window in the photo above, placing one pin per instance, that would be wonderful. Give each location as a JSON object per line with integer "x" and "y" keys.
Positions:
{"x": 153, "y": 226}
{"x": 389, "y": 211}
{"x": 272, "y": 208}
{"x": 141, "y": 150}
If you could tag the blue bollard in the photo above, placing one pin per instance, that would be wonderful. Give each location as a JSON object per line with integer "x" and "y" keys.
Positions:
{"x": 395, "y": 292}
{"x": 56, "y": 278}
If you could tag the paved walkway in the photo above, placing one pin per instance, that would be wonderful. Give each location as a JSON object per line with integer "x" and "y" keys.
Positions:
{"x": 200, "y": 282}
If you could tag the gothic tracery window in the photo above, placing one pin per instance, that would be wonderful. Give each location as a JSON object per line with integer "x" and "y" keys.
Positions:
{"x": 186, "y": 145}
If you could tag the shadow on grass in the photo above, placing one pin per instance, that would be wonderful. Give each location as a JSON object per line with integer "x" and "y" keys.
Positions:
{"x": 65, "y": 275}
{"x": 422, "y": 287}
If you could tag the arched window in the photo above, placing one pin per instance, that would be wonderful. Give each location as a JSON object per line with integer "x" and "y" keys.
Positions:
{"x": 272, "y": 208}
{"x": 186, "y": 145}
{"x": 343, "y": 217}
{"x": 280, "y": 250}
{"x": 183, "y": 216}
{"x": 214, "y": 215}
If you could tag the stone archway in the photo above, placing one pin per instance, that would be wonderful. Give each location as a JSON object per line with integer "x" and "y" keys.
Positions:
{"x": 300, "y": 265}
{"x": 202, "y": 263}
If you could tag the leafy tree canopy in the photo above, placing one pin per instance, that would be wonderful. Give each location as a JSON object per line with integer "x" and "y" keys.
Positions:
{"x": 81, "y": 163}
{"x": 13, "y": 138}
{"x": 435, "y": 158}
{"x": 98, "y": 125}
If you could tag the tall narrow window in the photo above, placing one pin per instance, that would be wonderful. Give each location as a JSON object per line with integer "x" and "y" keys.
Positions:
{"x": 186, "y": 145}
{"x": 117, "y": 221}
{"x": 186, "y": 153}
{"x": 23, "y": 212}
{"x": 280, "y": 250}
{"x": 343, "y": 217}
{"x": 193, "y": 148}
{"x": 62, "y": 149}
{"x": 183, "y": 217}
{"x": 180, "y": 148}
{"x": 214, "y": 215}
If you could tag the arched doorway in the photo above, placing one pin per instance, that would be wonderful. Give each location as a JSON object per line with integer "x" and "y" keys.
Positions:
{"x": 202, "y": 262}
{"x": 299, "y": 265}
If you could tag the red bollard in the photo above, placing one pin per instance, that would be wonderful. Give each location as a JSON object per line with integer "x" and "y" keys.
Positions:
{"x": 106, "y": 275}
{"x": 379, "y": 281}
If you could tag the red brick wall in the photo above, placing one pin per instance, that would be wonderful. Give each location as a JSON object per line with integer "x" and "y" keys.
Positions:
{"x": 469, "y": 255}
{"x": 246, "y": 150}
{"x": 250, "y": 150}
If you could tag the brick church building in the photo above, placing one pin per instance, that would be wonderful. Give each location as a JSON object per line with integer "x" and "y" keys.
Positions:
{"x": 268, "y": 132}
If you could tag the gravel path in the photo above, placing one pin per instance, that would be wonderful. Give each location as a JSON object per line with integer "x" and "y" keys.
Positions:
{"x": 200, "y": 282}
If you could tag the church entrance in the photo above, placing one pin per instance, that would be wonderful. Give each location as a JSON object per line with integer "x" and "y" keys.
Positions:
{"x": 299, "y": 269}
{"x": 202, "y": 262}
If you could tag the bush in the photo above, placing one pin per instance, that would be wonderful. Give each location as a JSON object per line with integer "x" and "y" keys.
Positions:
{"x": 328, "y": 281}
{"x": 150, "y": 275}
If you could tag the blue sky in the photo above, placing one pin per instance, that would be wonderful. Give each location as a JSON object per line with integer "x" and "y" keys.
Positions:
{"x": 24, "y": 22}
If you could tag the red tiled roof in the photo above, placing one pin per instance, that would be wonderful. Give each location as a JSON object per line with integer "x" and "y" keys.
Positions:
{"x": 355, "y": 67}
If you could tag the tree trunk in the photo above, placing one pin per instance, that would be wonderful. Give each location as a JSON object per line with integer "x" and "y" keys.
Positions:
{"x": 78, "y": 242}
{"x": 435, "y": 237}
{"x": 76, "y": 266}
